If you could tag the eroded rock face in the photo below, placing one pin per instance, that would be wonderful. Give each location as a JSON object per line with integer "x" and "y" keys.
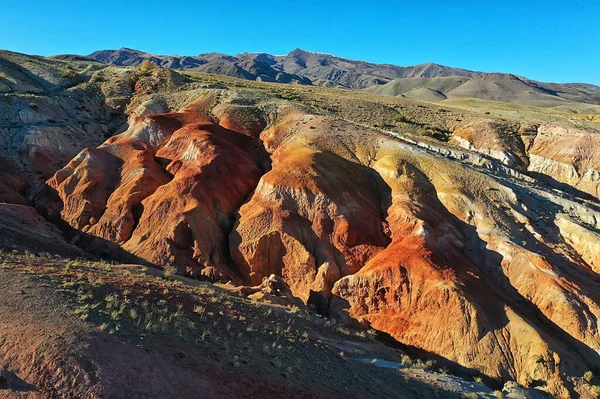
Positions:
{"x": 568, "y": 155}
{"x": 563, "y": 156}
{"x": 448, "y": 251}
{"x": 165, "y": 190}
{"x": 493, "y": 139}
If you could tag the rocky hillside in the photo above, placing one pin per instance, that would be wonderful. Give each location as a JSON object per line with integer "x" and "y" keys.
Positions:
{"x": 50, "y": 109}
{"x": 471, "y": 237}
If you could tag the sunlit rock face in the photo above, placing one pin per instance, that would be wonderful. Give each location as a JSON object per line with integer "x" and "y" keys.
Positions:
{"x": 166, "y": 190}
{"x": 568, "y": 155}
{"x": 450, "y": 250}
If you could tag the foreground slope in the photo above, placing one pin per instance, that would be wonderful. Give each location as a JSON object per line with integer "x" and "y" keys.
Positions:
{"x": 474, "y": 251}
{"x": 77, "y": 328}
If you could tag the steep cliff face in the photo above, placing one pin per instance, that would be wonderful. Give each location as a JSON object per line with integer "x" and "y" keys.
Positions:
{"x": 449, "y": 251}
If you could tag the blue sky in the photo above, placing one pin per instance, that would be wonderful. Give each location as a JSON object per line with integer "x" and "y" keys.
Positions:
{"x": 549, "y": 40}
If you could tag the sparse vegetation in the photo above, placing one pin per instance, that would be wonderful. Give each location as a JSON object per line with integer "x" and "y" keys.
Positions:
{"x": 131, "y": 302}
{"x": 424, "y": 365}
{"x": 406, "y": 360}
{"x": 97, "y": 78}
{"x": 68, "y": 73}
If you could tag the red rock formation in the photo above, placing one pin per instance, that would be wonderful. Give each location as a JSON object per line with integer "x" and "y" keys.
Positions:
{"x": 307, "y": 218}
{"x": 165, "y": 190}
{"x": 466, "y": 274}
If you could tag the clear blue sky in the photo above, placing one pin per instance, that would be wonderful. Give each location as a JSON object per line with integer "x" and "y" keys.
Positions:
{"x": 548, "y": 40}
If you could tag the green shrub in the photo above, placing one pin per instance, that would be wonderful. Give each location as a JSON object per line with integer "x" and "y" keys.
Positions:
{"x": 169, "y": 272}
{"x": 406, "y": 360}
{"x": 401, "y": 119}
{"x": 68, "y": 73}
{"x": 428, "y": 365}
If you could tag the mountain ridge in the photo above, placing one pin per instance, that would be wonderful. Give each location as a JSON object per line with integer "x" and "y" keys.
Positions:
{"x": 322, "y": 69}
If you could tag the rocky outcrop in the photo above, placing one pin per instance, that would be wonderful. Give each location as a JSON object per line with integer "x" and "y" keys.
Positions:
{"x": 70, "y": 111}
{"x": 563, "y": 156}
{"x": 585, "y": 240}
{"x": 568, "y": 155}
{"x": 499, "y": 141}
{"x": 165, "y": 190}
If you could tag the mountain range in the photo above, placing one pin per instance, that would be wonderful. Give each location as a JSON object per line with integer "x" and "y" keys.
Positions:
{"x": 427, "y": 82}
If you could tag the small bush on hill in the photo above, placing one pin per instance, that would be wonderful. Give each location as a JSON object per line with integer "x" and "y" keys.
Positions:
{"x": 147, "y": 65}
{"x": 169, "y": 272}
{"x": 401, "y": 119}
{"x": 588, "y": 376}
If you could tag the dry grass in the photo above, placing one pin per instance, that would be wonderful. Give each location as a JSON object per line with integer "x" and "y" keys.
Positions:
{"x": 132, "y": 304}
